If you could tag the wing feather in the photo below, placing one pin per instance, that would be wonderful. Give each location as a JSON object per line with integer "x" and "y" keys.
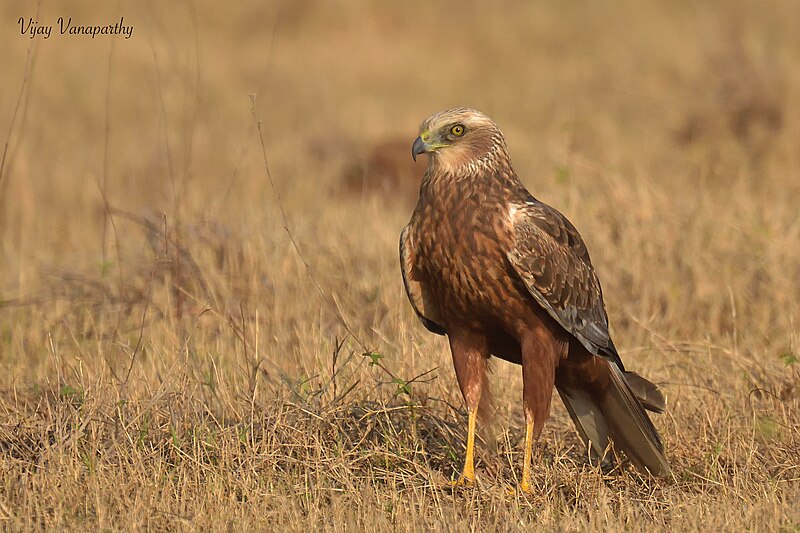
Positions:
{"x": 418, "y": 293}
{"x": 551, "y": 259}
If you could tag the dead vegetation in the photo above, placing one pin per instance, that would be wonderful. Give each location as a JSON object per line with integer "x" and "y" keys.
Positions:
{"x": 171, "y": 359}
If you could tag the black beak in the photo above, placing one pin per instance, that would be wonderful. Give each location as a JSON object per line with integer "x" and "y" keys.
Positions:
{"x": 418, "y": 147}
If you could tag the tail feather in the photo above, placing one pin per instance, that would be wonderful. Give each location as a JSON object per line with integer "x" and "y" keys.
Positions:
{"x": 646, "y": 392}
{"x": 612, "y": 413}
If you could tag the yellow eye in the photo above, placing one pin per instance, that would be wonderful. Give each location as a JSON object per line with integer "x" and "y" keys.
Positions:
{"x": 457, "y": 130}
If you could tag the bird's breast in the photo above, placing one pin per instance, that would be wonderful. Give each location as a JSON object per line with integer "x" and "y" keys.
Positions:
{"x": 461, "y": 243}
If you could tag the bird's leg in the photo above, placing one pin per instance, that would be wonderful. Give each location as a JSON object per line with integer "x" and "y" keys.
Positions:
{"x": 540, "y": 351}
{"x": 525, "y": 485}
{"x": 469, "y": 359}
{"x": 468, "y": 475}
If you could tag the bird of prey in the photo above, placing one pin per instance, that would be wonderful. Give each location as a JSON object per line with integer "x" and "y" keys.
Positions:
{"x": 503, "y": 274}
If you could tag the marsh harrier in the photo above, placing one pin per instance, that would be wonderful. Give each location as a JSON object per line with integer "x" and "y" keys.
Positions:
{"x": 503, "y": 274}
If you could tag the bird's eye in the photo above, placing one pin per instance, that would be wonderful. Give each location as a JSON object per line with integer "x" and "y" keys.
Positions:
{"x": 457, "y": 130}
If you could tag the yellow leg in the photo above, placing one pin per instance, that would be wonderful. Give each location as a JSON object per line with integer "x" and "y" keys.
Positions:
{"x": 525, "y": 485}
{"x": 468, "y": 475}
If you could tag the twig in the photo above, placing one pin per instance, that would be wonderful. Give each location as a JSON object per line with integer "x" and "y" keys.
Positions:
{"x": 285, "y": 220}
{"x": 25, "y": 78}
{"x": 140, "y": 340}
{"x": 104, "y": 193}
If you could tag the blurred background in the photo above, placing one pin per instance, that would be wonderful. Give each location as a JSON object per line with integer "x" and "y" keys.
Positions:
{"x": 133, "y": 167}
{"x": 134, "y": 195}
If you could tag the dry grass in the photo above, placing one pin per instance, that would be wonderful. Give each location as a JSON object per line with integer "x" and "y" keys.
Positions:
{"x": 169, "y": 361}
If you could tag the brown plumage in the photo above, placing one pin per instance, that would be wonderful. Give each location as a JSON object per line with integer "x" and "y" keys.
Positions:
{"x": 503, "y": 274}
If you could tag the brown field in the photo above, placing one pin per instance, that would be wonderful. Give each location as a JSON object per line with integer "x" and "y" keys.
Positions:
{"x": 188, "y": 344}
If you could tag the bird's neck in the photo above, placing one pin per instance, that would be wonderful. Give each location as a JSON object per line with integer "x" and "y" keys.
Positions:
{"x": 458, "y": 177}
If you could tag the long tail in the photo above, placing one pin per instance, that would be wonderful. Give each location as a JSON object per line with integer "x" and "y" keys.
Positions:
{"x": 605, "y": 408}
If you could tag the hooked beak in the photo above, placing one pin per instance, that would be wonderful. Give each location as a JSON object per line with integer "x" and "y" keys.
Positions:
{"x": 419, "y": 147}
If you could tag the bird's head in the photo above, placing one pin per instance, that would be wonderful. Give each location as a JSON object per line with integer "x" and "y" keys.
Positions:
{"x": 457, "y": 137}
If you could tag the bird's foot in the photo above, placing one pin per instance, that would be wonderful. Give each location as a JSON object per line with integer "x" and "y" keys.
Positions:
{"x": 523, "y": 488}
{"x": 463, "y": 482}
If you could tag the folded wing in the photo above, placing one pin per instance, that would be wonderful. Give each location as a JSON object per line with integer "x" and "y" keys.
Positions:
{"x": 551, "y": 259}
{"x": 417, "y": 291}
